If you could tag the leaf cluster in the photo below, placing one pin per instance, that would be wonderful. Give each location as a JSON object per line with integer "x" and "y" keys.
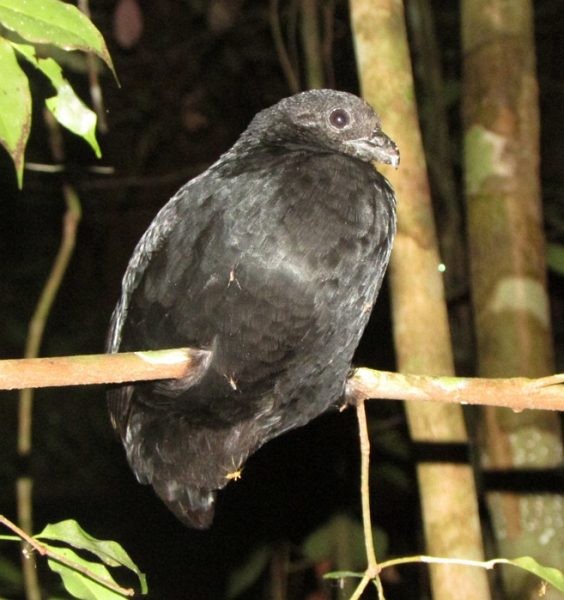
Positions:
{"x": 83, "y": 577}
{"x": 29, "y": 29}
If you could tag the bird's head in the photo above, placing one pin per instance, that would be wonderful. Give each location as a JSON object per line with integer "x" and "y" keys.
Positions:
{"x": 326, "y": 120}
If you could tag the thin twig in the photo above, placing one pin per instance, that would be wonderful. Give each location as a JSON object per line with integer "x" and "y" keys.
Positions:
{"x": 465, "y": 562}
{"x": 24, "y": 483}
{"x": 93, "y": 79}
{"x": 59, "y": 168}
{"x": 283, "y": 57}
{"x": 292, "y": 27}
{"x": 328, "y": 38}
{"x": 49, "y": 552}
{"x": 24, "y": 500}
{"x": 365, "y": 486}
{"x": 360, "y": 587}
{"x": 372, "y": 570}
{"x": 22, "y": 534}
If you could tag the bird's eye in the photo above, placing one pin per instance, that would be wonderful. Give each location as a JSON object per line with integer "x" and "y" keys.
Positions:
{"x": 339, "y": 118}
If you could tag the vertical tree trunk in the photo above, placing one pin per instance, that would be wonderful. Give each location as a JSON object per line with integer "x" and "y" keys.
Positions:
{"x": 448, "y": 203}
{"x": 311, "y": 41}
{"x": 450, "y": 510}
{"x": 508, "y": 264}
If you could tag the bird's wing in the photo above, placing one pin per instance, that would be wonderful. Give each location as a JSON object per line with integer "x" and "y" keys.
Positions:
{"x": 215, "y": 270}
{"x": 150, "y": 246}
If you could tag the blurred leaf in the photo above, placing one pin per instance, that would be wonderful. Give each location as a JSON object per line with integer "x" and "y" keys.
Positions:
{"x": 128, "y": 23}
{"x": 112, "y": 553}
{"x": 66, "y": 106}
{"x": 247, "y": 574}
{"x": 15, "y": 107}
{"x": 54, "y": 22}
{"x": 340, "y": 540}
{"x": 79, "y": 585}
{"x": 10, "y": 575}
{"x": 390, "y": 475}
{"x": 392, "y": 441}
{"x": 555, "y": 257}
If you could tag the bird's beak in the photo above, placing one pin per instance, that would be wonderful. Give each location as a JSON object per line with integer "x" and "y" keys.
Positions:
{"x": 378, "y": 147}
{"x": 385, "y": 149}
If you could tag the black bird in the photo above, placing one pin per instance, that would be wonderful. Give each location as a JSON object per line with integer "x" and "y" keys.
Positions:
{"x": 271, "y": 261}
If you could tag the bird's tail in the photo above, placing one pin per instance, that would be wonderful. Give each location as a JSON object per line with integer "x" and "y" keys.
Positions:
{"x": 194, "y": 507}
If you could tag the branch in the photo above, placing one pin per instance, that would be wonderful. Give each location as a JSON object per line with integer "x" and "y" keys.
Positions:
{"x": 100, "y": 368}
{"x": 517, "y": 393}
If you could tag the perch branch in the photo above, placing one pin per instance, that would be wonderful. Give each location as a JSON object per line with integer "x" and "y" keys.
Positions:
{"x": 99, "y": 368}
{"x": 517, "y": 393}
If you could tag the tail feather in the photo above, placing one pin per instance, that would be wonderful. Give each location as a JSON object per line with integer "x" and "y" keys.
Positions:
{"x": 194, "y": 507}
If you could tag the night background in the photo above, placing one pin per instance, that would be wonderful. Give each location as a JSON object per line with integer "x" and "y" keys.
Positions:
{"x": 189, "y": 85}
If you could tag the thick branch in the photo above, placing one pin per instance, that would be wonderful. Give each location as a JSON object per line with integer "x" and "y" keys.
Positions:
{"x": 517, "y": 393}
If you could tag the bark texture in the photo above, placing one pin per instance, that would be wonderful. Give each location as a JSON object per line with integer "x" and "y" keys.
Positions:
{"x": 508, "y": 271}
{"x": 419, "y": 311}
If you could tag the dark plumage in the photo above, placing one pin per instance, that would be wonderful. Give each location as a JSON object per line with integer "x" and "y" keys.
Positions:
{"x": 271, "y": 260}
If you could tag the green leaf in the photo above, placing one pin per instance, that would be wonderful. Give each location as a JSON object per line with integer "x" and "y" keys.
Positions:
{"x": 53, "y": 22}
{"x": 555, "y": 258}
{"x": 10, "y": 538}
{"x": 73, "y": 114}
{"x": 244, "y": 576}
{"x": 11, "y": 574}
{"x": 15, "y": 107}
{"x": 66, "y": 106}
{"x": 46, "y": 65}
{"x": 79, "y": 585}
{"x": 112, "y": 553}
{"x": 549, "y": 574}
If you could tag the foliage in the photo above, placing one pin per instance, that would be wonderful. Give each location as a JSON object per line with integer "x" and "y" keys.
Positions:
{"x": 338, "y": 542}
{"x": 27, "y": 30}
{"x": 82, "y": 577}
{"x": 555, "y": 257}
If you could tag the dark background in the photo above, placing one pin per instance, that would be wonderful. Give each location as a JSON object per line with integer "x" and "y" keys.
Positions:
{"x": 189, "y": 86}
